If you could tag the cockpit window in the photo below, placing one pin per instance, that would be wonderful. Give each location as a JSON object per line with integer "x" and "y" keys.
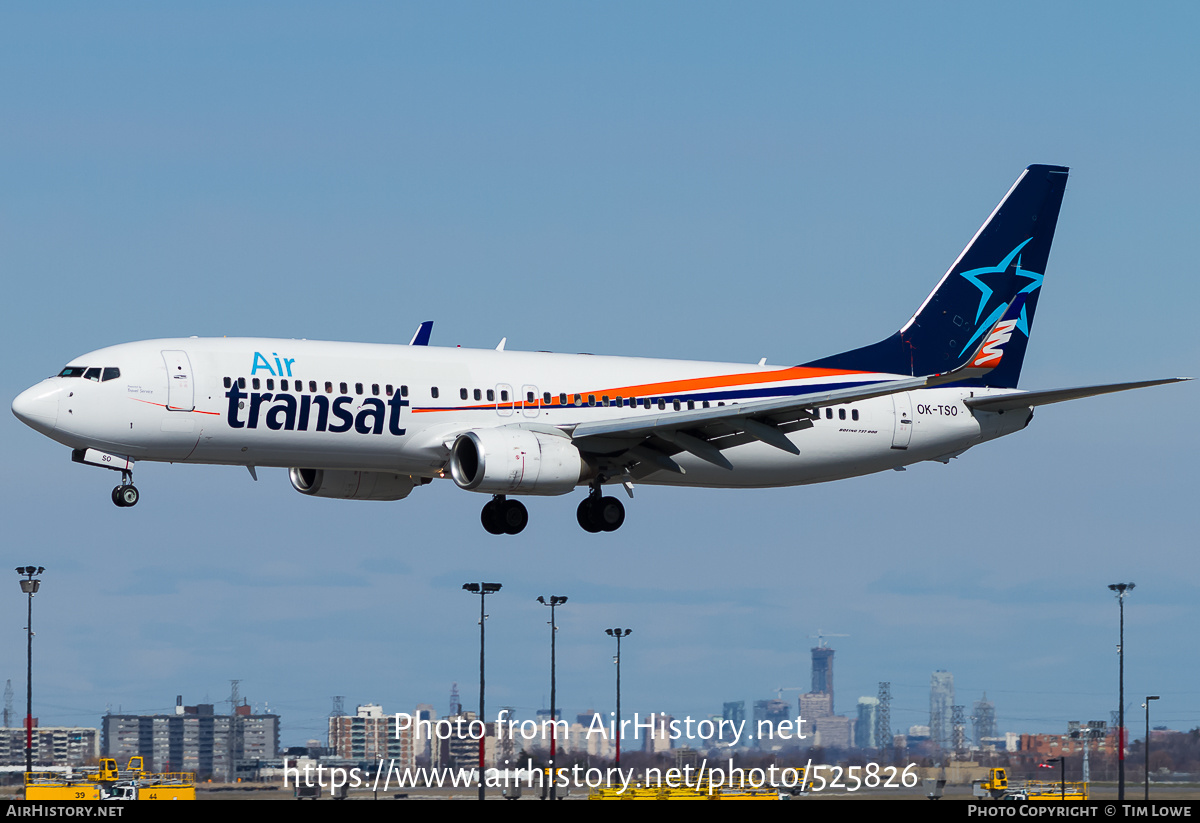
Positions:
{"x": 72, "y": 371}
{"x": 92, "y": 374}
{"x": 110, "y": 373}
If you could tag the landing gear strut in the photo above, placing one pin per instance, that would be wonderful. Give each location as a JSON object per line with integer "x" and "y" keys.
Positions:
{"x": 126, "y": 494}
{"x": 600, "y": 514}
{"x": 503, "y": 516}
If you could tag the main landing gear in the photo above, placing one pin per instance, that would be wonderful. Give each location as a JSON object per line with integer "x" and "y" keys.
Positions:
{"x": 503, "y": 516}
{"x": 126, "y": 494}
{"x": 600, "y": 514}
{"x": 500, "y": 515}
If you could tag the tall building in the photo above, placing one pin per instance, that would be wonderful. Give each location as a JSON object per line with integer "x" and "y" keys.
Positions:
{"x": 456, "y": 744}
{"x": 193, "y": 739}
{"x": 941, "y": 708}
{"x": 768, "y": 714}
{"x": 864, "y": 732}
{"x": 426, "y": 712}
{"x": 372, "y": 735}
{"x": 813, "y": 707}
{"x": 822, "y": 672}
{"x": 52, "y": 746}
{"x": 735, "y": 713}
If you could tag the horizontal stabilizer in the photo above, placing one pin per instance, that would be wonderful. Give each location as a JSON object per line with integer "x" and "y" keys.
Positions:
{"x": 1025, "y": 400}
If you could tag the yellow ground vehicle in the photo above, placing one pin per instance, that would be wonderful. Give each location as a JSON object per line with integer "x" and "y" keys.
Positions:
{"x": 696, "y": 789}
{"x": 997, "y": 787}
{"x": 108, "y": 782}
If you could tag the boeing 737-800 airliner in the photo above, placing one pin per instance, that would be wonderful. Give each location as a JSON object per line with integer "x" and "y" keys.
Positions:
{"x": 373, "y": 422}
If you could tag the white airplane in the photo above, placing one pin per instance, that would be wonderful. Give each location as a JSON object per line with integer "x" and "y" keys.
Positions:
{"x": 372, "y": 422}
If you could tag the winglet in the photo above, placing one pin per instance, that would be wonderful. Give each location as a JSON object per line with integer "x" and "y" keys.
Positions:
{"x": 421, "y": 338}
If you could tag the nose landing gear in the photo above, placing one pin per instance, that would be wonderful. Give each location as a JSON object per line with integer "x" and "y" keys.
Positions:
{"x": 126, "y": 494}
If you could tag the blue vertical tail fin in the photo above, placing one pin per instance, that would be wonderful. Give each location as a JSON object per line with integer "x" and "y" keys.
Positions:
{"x": 1006, "y": 257}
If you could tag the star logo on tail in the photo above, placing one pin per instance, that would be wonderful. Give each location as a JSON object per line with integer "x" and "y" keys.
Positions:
{"x": 976, "y": 278}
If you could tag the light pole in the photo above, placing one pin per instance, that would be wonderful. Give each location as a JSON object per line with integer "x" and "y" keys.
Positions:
{"x": 1146, "y": 706}
{"x": 1121, "y": 590}
{"x": 553, "y": 602}
{"x": 29, "y": 586}
{"x": 483, "y": 590}
{"x": 618, "y": 633}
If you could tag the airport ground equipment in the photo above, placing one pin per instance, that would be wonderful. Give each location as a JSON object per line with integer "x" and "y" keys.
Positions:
{"x": 998, "y": 787}
{"x": 108, "y": 782}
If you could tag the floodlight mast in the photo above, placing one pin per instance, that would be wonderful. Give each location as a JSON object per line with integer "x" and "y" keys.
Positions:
{"x": 483, "y": 590}
{"x": 554, "y": 601}
{"x": 29, "y": 586}
{"x": 1121, "y": 590}
{"x": 618, "y": 633}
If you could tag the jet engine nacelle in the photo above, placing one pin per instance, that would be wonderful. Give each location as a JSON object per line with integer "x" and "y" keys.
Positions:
{"x": 351, "y": 485}
{"x": 516, "y": 461}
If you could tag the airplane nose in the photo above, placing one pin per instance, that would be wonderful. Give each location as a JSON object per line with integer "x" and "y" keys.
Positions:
{"x": 37, "y": 408}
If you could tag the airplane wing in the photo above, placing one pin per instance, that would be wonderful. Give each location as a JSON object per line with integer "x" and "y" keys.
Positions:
{"x": 652, "y": 439}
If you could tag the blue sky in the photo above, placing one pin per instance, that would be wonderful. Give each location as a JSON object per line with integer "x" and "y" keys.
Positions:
{"x": 690, "y": 180}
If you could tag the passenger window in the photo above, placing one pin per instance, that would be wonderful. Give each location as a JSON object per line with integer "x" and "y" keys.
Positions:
{"x": 854, "y": 414}
{"x": 404, "y": 391}
{"x": 388, "y": 389}
{"x": 691, "y": 404}
{"x": 241, "y": 382}
{"x": 662, "y": 403}
{"x": 312, "y": 386}
{"x": 528, "y": 397}
{"x": 228, "y": 383}
{"x": 491, "y": 395}
{"x": 283, "y": 384}
{"x": 433, "y": 392}
{"x": 578, "y": 400}
{"x": 828, "y": 414}
{"x": 358, "y": 389}
{"x": 604, "y": 400}
{"x": 328, "y": 387}
{"x": 478, "y": 394}
{"x": 462, "y": 393}
{"x": 255, "y": 383}
{"x": 676, "y": 405}
{"x": 841, "y": 414}
{"x": 645, "y": 402}
{"x": 562, "y": 400}
{"x": 375, "y": 389}
{"x": 546, "y": 398}
{"x": 503, "y": 395}
{"x": 591, "y": 399}
{"x": 343, "y": 387}
{"x": 271, "y": 383}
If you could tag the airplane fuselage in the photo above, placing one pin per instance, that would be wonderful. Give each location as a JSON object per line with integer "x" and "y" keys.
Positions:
{"x": 388, "y": 408}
